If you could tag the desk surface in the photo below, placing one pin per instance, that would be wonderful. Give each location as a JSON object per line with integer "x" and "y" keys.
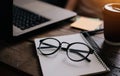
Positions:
{"x": 22, "y": 54}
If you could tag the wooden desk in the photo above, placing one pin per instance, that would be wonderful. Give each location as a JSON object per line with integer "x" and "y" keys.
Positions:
{"x": 22, "y": 54}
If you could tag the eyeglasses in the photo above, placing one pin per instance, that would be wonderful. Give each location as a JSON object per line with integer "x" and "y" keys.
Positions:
{"x": 76, "y": 51}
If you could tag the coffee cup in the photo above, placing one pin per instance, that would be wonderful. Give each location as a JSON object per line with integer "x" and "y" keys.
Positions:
{"x": 111, "y": 18}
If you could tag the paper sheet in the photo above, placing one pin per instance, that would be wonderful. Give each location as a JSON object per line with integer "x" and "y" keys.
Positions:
{"x": 87, "y": 23}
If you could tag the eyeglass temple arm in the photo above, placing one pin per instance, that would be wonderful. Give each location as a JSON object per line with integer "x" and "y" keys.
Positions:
{"x": 83, "y": 51}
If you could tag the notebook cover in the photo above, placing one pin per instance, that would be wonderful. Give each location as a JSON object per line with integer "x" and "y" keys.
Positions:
{"x": 60, "y": 65}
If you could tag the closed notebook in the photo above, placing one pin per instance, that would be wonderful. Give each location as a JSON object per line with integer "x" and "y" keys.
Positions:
{"x": 61, "y": 65}
{"x": 87, "y": 23}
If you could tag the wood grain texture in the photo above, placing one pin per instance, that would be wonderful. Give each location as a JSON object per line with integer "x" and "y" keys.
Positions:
{"x": 22, "y": 54}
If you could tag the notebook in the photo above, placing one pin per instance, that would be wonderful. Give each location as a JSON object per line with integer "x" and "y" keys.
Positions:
{"x": 44, "y": 14}
{"x": 60, "y": 65}
{"x": 87, "y": 23}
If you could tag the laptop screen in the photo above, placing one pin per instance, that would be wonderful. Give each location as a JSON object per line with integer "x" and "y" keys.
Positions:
{"x": 5, "y": 18}
{"x": 60, "y": 3}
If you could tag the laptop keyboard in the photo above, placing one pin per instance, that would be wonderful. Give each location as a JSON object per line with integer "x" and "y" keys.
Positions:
{"x": 24, "y": 19}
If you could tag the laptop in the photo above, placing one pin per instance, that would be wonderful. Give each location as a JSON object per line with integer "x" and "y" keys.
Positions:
{"x": 37, "y": 14}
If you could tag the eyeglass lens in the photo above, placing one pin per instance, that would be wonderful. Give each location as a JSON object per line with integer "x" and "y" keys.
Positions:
{"x": 78, "y": 51}
{"x": 49, "y": 46}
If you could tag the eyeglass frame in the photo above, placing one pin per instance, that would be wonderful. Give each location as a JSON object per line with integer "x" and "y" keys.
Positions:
{"x": 91, "y": 51}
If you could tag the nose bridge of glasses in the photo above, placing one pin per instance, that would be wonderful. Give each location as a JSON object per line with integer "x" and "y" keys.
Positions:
{"x": 65, "y": 44}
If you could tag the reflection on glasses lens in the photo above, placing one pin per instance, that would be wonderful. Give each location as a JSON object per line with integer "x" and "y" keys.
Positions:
{"x": 49, "y": 46}
{"x": 78, "y": 51}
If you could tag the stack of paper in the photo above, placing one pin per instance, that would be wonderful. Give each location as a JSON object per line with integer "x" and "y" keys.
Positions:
{"x": 86, "y": 23}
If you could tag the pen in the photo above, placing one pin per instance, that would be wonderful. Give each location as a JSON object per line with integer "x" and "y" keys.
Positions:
{"x": 91, "y": 41}
{"x": 93, "y": 32}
